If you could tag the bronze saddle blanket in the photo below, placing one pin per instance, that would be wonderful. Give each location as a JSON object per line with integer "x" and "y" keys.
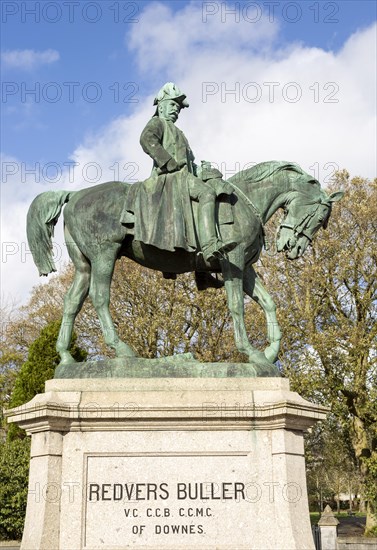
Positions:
{"x": 160, "y": 212}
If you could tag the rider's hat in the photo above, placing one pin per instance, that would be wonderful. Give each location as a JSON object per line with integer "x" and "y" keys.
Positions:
{"x": 170, "y": 91}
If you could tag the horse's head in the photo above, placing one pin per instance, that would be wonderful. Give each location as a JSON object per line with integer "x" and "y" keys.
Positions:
{"x": 303, "y": 218}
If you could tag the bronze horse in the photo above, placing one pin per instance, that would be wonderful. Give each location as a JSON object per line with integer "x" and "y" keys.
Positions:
{"x": 96, "y": 238}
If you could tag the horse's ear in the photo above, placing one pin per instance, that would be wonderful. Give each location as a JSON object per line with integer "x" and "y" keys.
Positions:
{"x": 337, "y": 196}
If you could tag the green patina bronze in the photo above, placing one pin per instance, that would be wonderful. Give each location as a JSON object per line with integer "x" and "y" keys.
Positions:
{"x": 183, "y": 218}
{"x": 175, "y": 182}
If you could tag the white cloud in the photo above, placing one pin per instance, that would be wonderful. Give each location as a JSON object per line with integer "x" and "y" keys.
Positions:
{"x": 335, "y": 106}
{"x": 330, "y": 125}
{"x": 18, "y": 272}
{"x": 28, "y": 59}
{"x": 260, "y": 120}
{"x": 171, "y": 42}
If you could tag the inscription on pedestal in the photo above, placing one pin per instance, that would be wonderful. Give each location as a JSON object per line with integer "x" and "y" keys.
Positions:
{"x": 180, "y": 501}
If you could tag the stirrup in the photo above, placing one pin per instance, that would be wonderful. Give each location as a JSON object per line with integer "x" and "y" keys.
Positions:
{"x": 227, "y": 247}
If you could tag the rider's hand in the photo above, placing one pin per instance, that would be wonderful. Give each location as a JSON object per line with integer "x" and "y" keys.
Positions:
{"x": 227, "y": 188}
{"x": 172, "y": 165}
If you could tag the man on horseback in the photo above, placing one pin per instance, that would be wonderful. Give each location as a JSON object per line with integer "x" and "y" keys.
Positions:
{"x": 173, "y": 161}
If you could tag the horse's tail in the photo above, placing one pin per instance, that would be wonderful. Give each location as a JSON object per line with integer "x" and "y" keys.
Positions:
{"x": 41, "y": 219}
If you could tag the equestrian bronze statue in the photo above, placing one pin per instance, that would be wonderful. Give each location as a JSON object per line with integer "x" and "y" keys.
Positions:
{"x": 183, "y": 218}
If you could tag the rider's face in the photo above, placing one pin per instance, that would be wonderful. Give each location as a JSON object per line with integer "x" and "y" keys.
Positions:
{"x": 169, "y": 110}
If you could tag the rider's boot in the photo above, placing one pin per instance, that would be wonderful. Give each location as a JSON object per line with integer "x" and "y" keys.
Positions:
{"x": 212, "y": 247}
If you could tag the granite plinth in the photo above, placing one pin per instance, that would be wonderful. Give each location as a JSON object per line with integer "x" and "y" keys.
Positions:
{"x": 177, "y": 366}
{"x": 171, "y": 463}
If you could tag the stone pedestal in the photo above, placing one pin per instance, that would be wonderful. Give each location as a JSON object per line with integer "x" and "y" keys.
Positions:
{"x": 173, "y": 463}
{"x": 328, "y": 525}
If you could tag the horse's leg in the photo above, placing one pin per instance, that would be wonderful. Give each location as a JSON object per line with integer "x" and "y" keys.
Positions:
{"x": 255, "y": 289}
{"x": 233, "y": 269}
{"x": 99, "y": 292}
{"x": 73, "y": 299}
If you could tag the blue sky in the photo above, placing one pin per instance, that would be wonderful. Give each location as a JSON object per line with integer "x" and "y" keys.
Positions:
{"x": 91, "y": 41}
{"x": 302, "y": 73}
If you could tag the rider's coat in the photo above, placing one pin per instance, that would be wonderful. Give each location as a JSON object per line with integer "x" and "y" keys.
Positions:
{"x": 162, "y": 140}
{"x": 162, "y": 206}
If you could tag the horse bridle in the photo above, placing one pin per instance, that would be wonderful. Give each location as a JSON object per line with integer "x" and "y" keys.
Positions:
{"x": 298, "y": 229}
{"x": 301, "y": 226}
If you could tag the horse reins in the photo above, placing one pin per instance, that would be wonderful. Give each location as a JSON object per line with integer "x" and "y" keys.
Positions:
{"x": 255, "y": 210}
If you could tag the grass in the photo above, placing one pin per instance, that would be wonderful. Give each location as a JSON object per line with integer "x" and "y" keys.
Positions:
{"x": 314, "y": 516}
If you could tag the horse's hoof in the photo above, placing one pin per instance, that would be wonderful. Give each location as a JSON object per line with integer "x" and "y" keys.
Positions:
{"x": 66, "y": 359}
{"x": 263, "y": 366}
{"x": 123, "y": 350}
{"x": 271, "y": 354}
{"x": 257, "y": 357}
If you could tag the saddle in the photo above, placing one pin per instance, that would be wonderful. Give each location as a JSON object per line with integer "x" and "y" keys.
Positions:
{"x": 158, "y": 212}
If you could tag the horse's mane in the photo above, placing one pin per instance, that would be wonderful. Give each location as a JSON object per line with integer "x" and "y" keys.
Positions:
{"x": 267, "y": 170}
